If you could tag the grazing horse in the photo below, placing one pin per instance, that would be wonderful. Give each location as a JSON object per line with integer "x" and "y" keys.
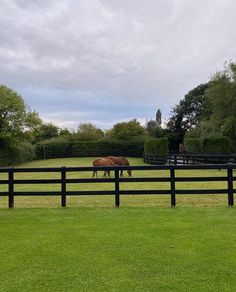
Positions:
{"x": 121, "y": 161}
{"x": 103, "y": 162}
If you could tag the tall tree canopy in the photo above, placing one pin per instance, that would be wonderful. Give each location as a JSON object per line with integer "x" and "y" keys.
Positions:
{"x": 16, "y": 119}
{"x": 88, "y": 132}
{"x": 218, "y": 116}
{"x": 47, "y": 131}
{"x": 158, "y": 118}
{"x": 127, "y": 130}
{"x": 153, "y": 127}
{"x": 186, "y": 115}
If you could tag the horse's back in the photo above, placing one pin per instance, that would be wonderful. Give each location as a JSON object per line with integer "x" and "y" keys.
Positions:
{"x": 103, "y": 162}
{"x": 120, "y": 160}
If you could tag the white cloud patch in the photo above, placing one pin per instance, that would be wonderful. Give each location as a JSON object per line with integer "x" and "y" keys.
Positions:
{"x": 111, "y": 60}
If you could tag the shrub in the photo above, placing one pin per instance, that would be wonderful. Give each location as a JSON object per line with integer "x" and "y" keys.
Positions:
{"x": 108, "y": 147}
{"x": 216, "y": 145}
{"x": 60, "y": 147}
{"x": 233, "y": 145}
{"x": 55, "y": 147}
{"x": 15, "y": 154}
{"x": 26, "y": 152}
{"x": 192, "y": 145}
{"x": 157, "y": 149}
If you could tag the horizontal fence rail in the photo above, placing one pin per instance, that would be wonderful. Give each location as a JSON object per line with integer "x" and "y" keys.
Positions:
{"x": 189, "y": 158}
{"x": 117, "y": 180}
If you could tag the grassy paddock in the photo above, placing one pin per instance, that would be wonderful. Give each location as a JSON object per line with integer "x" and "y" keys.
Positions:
{"x": 108, "y": 201}
{"x": 108, "y": 249}
{"x": 137, "y": 247}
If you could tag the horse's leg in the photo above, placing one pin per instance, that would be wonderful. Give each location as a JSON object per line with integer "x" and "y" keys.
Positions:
{"x": 121, "y": 173}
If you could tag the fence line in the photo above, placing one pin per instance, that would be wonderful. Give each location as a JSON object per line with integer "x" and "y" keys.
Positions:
{"x": 63, "y": 181}
{"x": 189, "y": 158}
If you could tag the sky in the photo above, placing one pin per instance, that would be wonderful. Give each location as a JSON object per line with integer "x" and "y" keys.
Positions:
{"x": 107, "y": 61}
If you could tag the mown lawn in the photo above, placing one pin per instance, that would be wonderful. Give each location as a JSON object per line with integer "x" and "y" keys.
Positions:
{"x": 126, "y": 249}
{"x": 142, "y": 246}
{"x": 108, "y": 201}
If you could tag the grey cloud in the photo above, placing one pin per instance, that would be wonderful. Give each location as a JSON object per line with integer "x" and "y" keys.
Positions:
{"x": 64, "y": 55}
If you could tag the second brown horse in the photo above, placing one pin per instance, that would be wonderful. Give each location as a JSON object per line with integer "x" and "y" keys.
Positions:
{"x": 121, "y": 161}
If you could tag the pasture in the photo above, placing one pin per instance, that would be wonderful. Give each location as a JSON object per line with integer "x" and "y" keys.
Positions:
{"x": 108, "y": 201}
{"x": 110, "y": 249}
{"x": 142, "y": 246}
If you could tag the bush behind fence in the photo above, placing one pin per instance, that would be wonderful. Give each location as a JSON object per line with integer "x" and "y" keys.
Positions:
{"x": 62, "y": 148}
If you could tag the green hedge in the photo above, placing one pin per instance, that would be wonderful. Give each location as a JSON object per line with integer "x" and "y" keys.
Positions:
{"x": 60, "y": 147}
{"x": 52, "y": 148}
{"x": 216, "y": 145}
{"x": 192, "y": 145}
{"x": 156, "y": 151}
{"x": 106, "y": 147}
{"x": 16, "y": 154}
{"x": 233, "y": 143}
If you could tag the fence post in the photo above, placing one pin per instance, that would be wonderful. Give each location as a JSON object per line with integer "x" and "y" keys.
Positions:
{"x": 11, "y": 188}
{"x": 117, "y": 188}
{"x": 172, "y": 187}
{"x": 63, "y": 186}
{"x": 230, "y": 187}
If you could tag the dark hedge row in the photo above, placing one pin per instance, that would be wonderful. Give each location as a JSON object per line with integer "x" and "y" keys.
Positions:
{"x": 216, "y": 145}
{"x": 156, "y": 151}
{"x": 192, "y": 145}
{"x": 16, "y": 154}
{"x": 63, "y": 148}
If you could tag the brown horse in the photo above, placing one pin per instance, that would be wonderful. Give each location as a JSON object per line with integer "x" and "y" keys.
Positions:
{"x": 121, "y": 161}
{"x": 103, "y": 162}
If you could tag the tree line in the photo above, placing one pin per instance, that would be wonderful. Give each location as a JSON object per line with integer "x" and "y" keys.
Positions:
{"x": 207, "y": 110}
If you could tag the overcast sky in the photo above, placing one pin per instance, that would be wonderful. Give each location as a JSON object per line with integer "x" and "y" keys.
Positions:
{"x": 104, "y": 61}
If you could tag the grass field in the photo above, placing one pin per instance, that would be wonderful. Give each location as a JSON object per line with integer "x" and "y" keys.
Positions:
{"x": 126, "y": 249}
{"x": 108, "y": 201}
{"x": 142, "y": 246}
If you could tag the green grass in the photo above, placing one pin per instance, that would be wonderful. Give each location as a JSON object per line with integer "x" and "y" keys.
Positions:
{"x": 126, "y": 249}
{"x": 142, "y": 246}
{"x": 108, "y": 201}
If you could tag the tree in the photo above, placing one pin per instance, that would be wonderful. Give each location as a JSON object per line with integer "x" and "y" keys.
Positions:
{"x": 218, "y": 116}
{"x": 16, "y": 119}
{"x": 88, "y": 132}
{"x": 186, "y": 115}
{"x": 47, "y": 131}
{"x": 151, "y": 127}
{"x": 154, "y": 130}
{"x": 127, "y": 130}
{"x": 64, "y": 132}
{"x": 158, "y": 118}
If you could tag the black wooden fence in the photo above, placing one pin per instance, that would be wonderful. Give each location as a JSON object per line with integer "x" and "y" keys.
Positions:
{"x": 190, "y": 158}
{"x": 116, "y": 180}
